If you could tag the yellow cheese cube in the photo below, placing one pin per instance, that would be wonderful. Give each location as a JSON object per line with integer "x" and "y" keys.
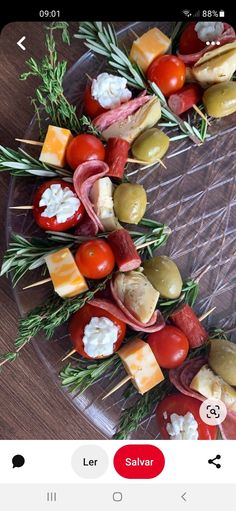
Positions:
{"x": 149, "y": 46}
{"x": 55, "y": 145}
{"x": 66, "y": 277}
{"x": 141, "y": 364}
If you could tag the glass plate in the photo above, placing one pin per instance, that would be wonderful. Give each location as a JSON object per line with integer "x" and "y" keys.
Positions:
{"x": 195, "y": 196}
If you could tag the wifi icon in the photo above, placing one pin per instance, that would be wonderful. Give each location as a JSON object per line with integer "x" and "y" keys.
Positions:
{"x": 187, "y": 13}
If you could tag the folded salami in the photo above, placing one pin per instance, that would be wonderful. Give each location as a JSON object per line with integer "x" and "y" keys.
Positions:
{"x": 83, "y": 179}
{"x": 120, "y": 113}
{"x": 156, "y": 324}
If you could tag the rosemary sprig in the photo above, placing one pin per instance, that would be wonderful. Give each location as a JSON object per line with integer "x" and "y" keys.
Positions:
{"x": 50, "y": 93}
{"x": 20, "y": 163}
{"x": 101, "y": 39}
{"x": 48, "y": 317}
{"x": 23, "y": 255}
{"x": 132, "y": 417}
{"x": 86, "y": 373}
{"x": 188, "y": 295}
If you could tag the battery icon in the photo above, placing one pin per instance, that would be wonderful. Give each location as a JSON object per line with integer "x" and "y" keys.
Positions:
{"x": 221, "y": 14}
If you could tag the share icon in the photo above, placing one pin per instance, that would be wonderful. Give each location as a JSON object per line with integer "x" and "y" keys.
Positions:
{"x": 212, "y": 462}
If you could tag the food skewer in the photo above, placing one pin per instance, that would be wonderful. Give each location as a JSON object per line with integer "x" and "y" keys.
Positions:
{"x": 48, "y": 279}
{"x": 129, "y": 160}
{"x": 129, "y": 377}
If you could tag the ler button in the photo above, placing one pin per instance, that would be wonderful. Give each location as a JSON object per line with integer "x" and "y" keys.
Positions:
{"x": 90, "y": 461}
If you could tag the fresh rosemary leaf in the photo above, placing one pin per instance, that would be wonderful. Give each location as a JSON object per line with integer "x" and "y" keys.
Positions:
{"x": 85, "y": 373}
{"x": 19, "y": 163}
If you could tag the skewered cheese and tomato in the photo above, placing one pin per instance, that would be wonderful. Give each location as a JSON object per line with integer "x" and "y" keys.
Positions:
{"x": 66, "y": 277}
{"x": 141, "y": 365}
{"x": 170, "y": 346}
{"x": 56, "y": 206}
{"x": 149, "y": 46}
{"x": 168, "y": 73}
{"x": 96, "y": 333}
{"x": 55, "y": 145}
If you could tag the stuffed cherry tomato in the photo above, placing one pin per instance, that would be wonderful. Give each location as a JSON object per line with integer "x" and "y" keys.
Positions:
{"x": 168, "y": 72}
{"x": 178, "y": 419}
{"x": 92, "y": 107}
{"x": 83, "y": 148}
{"x": 95, "y": 259}
{"x": 170, "y": 346}
{"x": 95, "y": 333}
{"x": 56, "y": 206}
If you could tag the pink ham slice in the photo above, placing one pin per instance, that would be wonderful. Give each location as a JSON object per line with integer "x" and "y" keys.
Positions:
{"x": 83, "y": 179}
{"x": 228, "y": 36}
{"x": 181, "y": 378}
{"x": 120, "y": 113}
{"x": 127, "y": 318}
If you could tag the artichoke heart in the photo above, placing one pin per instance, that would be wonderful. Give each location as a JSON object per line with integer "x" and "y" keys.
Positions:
{"x": 145, "y": 117}
{"x": 216, "y": 66}
{"x": 137, "y": 294}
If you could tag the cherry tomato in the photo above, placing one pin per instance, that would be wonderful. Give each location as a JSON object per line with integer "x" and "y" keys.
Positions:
{"x": 83, "y": 148}
{"x": 181, "y": 404}
{"x": 168, "y": 72}
{"x": 52, "y": 224}
{"x": 189, "y": 41}
{"x": 170, "y": 346}
{"x": 92, "y": 107}
{"x": 81, "y": 318}
{"x": 95, "y": 259}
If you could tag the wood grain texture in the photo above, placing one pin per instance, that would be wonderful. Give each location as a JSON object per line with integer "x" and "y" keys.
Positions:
{"x": 31, "y": 406}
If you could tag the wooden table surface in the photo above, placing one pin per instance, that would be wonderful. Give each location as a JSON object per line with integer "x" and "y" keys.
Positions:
{"x": 31, "y": 406}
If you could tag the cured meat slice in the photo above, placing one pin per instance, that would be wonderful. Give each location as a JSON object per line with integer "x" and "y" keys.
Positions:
{"x": 124, "y": 250}
{"x": 157, "y": 324}
{"x": 187, "y": 321}
{"x": 228, "y": 427}
{"x": 120, "y": 113}
{"x": 86, "y": 227}
{"x": 185, "y": 98}
{"x": 83, "y": 179}
{"x": 228, "y": 36}
{"x": 182, "y": 376}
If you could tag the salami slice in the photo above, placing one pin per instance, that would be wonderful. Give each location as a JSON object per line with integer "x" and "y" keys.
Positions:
{"x": 86, "y": 227}
{"x": 128, "y": 319}
{"x": 84, "y": 177}
{"x": 120, "y": 113}
{"x": 228, "y": 36}
{"x": 182, "y": 376}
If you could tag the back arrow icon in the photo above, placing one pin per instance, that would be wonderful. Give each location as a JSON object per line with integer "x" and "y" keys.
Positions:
{"x": 183, "y": 496}
{"x": 19, "y": 43}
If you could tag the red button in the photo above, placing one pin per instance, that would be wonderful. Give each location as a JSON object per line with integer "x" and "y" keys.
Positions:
{"x": 139, "y": 461}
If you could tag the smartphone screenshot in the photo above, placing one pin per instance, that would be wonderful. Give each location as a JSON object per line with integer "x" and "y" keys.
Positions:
{"x": 118, "y": 269}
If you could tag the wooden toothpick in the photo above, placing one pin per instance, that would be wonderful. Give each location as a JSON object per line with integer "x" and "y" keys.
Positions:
{"x": 38, "y": 283}
{"x": 72, "y": 352}
{"x": 145, "y": 163}
{"x": 32, "y": 142}
{"x": 118, "y": 386}
{"x": 21, "y": 207}
{"x": 206, "y": 314}
{"x": 201, "y": 114}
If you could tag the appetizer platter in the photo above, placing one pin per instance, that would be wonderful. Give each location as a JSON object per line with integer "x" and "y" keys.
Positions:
{"x": 122, "y": 227}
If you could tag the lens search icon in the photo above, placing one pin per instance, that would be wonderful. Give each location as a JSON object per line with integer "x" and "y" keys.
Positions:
{"x": 18, "y": 461}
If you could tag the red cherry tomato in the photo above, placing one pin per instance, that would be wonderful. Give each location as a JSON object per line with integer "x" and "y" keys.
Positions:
{"x": 51, "y": 224}
{"x": 181, "y": 404}
{"x": 95, "y": 259}
{"x": 92, "y": 107}
{"x": 168, "y": 72}
{"x": 81, "y": 318}
{"x": 170, "y": 346}
{"x": 189, "y": 41}
{"x": 83, "y": 148}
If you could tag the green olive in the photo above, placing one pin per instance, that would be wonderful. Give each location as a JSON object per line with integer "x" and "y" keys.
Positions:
{"x": 220, "y": 99}
{"x": 164, "y": 275}
{"x": 130, "y": 201}
{"x": 151, "y": 145}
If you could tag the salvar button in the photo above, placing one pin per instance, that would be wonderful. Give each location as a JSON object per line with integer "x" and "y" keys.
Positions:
{"x": 140, "y": 461}
{"x": 90, "y": 461}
